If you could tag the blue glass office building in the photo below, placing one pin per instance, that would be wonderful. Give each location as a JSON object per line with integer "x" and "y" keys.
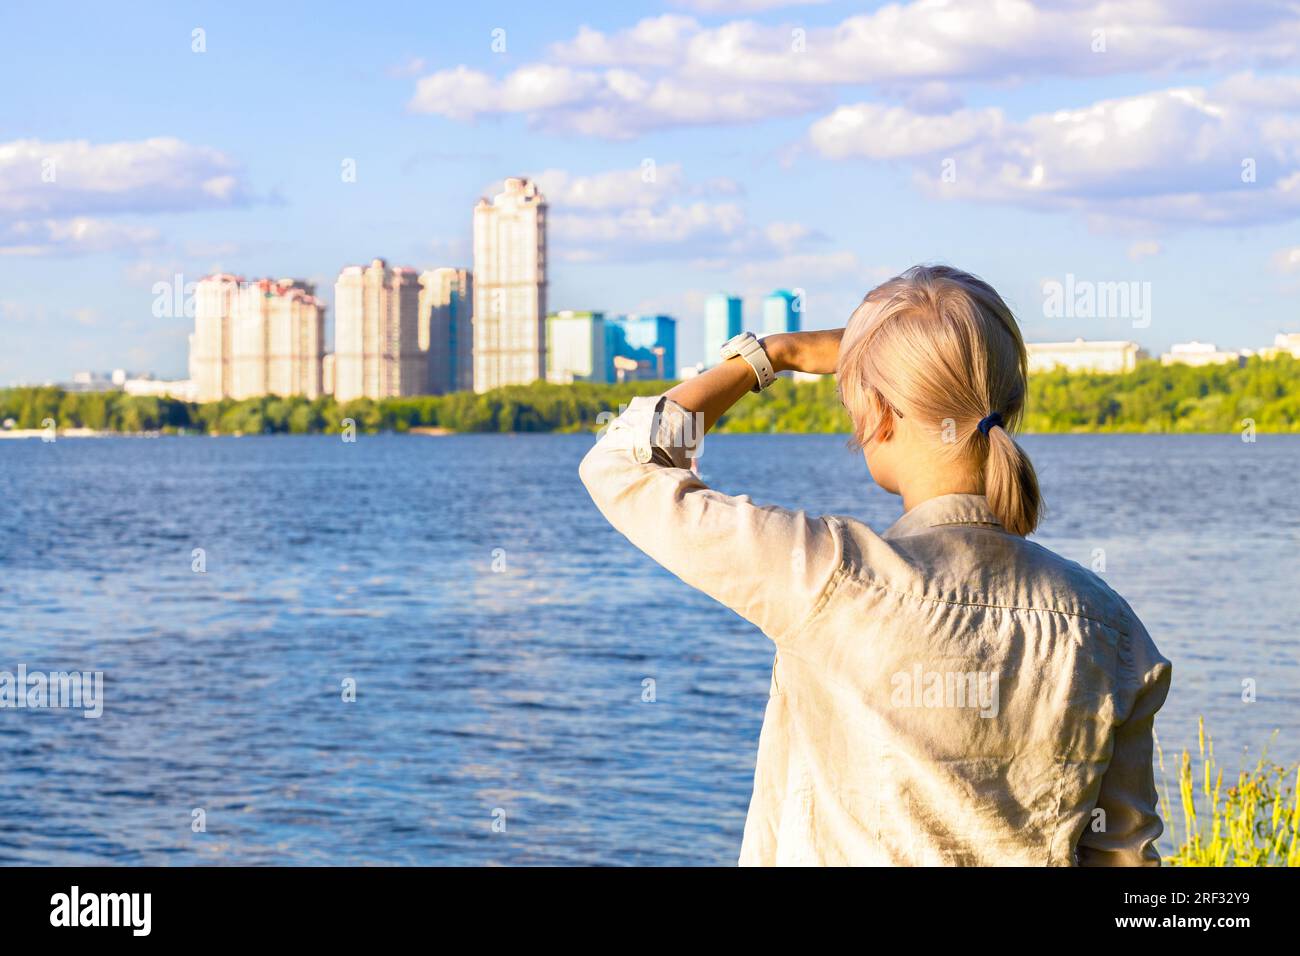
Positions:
{"x": 648, "y": 340}
{"x": 782, "y": 312}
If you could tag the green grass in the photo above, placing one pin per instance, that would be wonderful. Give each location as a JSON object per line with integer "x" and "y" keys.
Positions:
{"x": 1254, "y": 823}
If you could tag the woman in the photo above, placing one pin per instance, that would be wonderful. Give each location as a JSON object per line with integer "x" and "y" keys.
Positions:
{"x": 946, "y": 692}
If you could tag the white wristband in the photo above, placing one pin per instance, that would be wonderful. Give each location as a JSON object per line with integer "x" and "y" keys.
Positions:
{"x": 747, "y": 346}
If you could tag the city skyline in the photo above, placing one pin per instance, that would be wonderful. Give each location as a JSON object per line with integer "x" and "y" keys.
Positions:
{"x": 749, "y": 149}
{"x": 577, "y": 345}
{"x": 400, "y": 333}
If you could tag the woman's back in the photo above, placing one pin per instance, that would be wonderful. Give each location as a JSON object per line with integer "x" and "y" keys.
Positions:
{"x": 957, "y": 697}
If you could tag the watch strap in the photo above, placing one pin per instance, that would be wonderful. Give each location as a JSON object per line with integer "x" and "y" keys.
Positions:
{"x": 750, "y": 348}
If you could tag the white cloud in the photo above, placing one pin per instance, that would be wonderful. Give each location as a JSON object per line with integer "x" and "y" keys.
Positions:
{"x": 1280, "y": 93}
{"x": 802, "y": 267}
{"x": 618, "y": 214}
{"x": 672, "y": 71}
{"x": 1286, "y": 261}
{"x": 654, "y": 41}
{"x": 411, "y": 66}
{"x": 650, "y": 184}
{"x": 788, "y": 235}
{"x": 77, "y": 178}
{"x": 75, "y": 236}
{"x": 1174, "y": 156}
{"x": 669, "y": 226}
{"x": 608, "y": 104}
{"x": 462, "y": 93}
{"x": 873, "y": 131}
{"x": 933, "y": 96}
{"x": 951, "y": 40}
{"x": 616, "y": 189}
{"x": 1003, "y": 39}
{"x": 742, "y": 6}
{"x": 715, "y": 235}
{"x": 1144, "y": 249}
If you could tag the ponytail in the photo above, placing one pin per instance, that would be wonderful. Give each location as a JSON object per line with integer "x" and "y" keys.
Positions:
{"x": 1010, "y": 484}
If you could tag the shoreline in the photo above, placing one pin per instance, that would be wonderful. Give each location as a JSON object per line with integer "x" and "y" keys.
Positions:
{"x": 1260, "y": 397}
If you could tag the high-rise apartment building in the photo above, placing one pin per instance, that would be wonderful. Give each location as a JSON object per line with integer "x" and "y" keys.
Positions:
{"x": 781, "y": 312}
{"x": 722, "y": 321}
{"x": 377, "y": 333}
{"x": 447, "y": 328}
{"x": 265, "y": 337}
{"x": 510, "y": 287}
{"x": 277, "y": 340}
{"x": 215, "y": 301}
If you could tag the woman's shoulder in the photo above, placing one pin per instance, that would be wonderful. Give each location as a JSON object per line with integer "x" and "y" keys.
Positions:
{"x": 976, "y": 563}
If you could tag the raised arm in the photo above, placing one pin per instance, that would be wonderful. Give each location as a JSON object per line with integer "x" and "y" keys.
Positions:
{"x": 766, "y": 563}
{"x": 712, "y": 393}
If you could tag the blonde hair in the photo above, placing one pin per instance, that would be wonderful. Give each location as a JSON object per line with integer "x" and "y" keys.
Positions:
{"x": 940, "y": 347}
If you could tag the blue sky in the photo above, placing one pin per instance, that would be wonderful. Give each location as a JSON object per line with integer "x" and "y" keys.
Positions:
{"x": 792, "y": 145}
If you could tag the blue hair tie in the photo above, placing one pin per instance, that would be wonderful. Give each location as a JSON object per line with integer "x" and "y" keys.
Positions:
{"x": 992, "y": 420}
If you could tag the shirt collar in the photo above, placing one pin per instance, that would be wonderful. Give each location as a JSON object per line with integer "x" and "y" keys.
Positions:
{"x": 944, "y": 510}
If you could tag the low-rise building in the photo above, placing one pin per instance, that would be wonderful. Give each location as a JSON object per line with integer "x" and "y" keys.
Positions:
{"x": 184, "y": 389}
{"x": 1084, "y": 355}
{"x": 90, "y": 381}
{"x": 1199, "y": 353}
{"x": 1288, "y": 342}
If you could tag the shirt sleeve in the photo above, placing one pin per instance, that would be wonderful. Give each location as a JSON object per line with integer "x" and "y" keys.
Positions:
{"x": 1128, "y": 789}
{"x": 768, "y": 564}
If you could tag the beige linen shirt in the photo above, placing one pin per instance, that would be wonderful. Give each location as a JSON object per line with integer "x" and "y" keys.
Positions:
{"x": 944, "y": 693}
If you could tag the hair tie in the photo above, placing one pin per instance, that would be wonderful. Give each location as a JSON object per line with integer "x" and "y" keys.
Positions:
{"x": 992, "y": 420}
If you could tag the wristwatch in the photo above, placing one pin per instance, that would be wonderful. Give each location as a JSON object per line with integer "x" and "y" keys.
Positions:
{"x": 750, "y": 348}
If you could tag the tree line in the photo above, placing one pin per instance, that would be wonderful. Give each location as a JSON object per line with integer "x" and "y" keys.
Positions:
{"x": 1153, "y": 398}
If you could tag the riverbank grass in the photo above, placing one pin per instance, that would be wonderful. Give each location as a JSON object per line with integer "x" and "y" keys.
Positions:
{"x": 1254, "y": 823}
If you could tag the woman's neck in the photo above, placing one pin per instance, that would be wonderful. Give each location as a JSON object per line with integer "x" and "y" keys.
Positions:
{"x": 921, "y": 488}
